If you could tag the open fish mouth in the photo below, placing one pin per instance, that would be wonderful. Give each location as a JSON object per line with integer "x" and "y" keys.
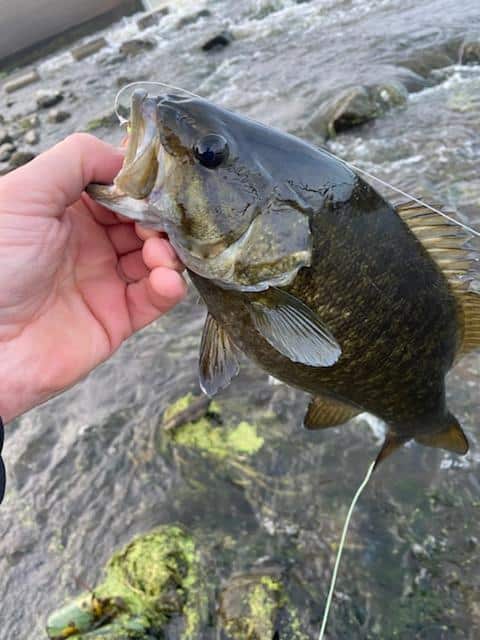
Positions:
{"x": 143, "y": 167}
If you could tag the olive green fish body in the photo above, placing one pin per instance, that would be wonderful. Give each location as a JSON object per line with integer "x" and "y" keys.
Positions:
{"x": 384, "y": 299}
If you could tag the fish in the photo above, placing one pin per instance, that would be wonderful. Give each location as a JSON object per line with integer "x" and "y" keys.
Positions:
{"x": 304, "y": 267}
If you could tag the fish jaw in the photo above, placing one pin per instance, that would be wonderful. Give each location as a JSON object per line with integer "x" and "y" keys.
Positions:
{"x": 111, "y": 197}
{"x": 141, "y": 178}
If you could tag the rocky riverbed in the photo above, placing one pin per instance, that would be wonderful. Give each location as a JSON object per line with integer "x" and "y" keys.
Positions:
{"x": 393, "y": 88}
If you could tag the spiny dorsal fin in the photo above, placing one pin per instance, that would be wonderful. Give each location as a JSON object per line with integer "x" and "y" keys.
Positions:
{"x": 450, "y": 247}
{"x": 325, "y": 412}
{"x": 450, "y": 438}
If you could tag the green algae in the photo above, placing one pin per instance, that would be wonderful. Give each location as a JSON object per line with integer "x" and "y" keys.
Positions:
{"x": 256, "y": 606}
{"x": 220, "y": 442}
{"x": 178, "y": 406}
{"x": 156, "y": 576}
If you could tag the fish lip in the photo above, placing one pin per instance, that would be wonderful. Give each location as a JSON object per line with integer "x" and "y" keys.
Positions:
{"x": 140, "y": 169}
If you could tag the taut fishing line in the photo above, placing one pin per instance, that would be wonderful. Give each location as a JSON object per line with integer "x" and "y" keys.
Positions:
{"x": 340, "y": 548}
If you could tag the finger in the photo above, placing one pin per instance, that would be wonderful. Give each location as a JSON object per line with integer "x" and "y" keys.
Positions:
{"x": 149, "y": 298}
{"x": 132, "y": 268}
{"x": 123, "y": 238}
{"x": 144, "y": 233}
{"x": 57, "y": 177}
{"x": 158, "y": 252}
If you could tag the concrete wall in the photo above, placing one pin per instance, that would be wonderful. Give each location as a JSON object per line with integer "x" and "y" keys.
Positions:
{"x": 25, "y": 22}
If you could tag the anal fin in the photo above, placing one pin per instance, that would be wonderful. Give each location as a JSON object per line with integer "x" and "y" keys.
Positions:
{"x": 324, "y": 412}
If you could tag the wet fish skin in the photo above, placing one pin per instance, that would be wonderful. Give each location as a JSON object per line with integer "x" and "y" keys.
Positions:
{"x": 305, "y": 268}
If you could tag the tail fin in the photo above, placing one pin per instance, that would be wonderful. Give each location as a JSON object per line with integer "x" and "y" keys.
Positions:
{"x": 451, "y": 437}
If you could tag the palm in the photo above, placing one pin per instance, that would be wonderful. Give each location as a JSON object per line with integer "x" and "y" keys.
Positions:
{"x": 73, "y": 286}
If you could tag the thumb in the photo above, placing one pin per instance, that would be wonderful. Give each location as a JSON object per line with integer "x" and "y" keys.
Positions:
{"x": 56, "y": 178}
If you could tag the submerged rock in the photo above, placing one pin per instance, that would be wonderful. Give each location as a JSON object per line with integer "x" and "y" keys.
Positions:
{"x": 6, "y": 150}
{"x": 255, "y": 607}
{"x": 21, "y": 81}
{"x": 157, "y": 577}
{"x": 220, "y": 41}
{"x": 31, "y": 137}
{"x": 153, "y": 18}
{"x": 106, "y": 120}
{"x": 136, "y": 46}
{"x": 194, "y": 17}
{"x": 88, "y": 48}
{"x": 5, "y": 136}
{"x": 470, "y": 52}
{"x": 29, "y": 122}
{"x": 20, "y": 158}
{"x": 46, "y": 98}
{"x": 56, "y": 116}
{"x": 355, "y": 106}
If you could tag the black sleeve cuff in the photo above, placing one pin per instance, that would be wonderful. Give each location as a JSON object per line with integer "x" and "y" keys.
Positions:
{"x": 2, "y": 466}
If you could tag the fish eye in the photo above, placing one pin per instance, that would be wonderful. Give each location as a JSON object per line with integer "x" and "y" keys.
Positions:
{"x": 211, "y": 150}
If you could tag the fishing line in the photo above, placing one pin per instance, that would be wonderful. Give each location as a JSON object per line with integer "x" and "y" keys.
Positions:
{"x": 408, "y": 195}
{"x": 340, "y": 549}
{"x": 141, "y": 83}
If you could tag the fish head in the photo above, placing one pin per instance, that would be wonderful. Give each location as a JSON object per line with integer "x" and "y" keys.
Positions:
{"x": 219, "y": 185}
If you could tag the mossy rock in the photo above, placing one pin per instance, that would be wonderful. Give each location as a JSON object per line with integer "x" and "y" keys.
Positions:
{"x": 209, "y": 437}
{"x": 255, "y": 607}
{"x": 155, "y": 577}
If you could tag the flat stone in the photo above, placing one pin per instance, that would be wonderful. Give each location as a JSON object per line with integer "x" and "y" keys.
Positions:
{"x": 21, "y": 81}
{"x": 57, "y": 115}
{"x": 32, "y": 137}
{"x": 20, "y": 158}
{"x": 46, "y": 98}
{"x": 88, "y": 48}
{"x": 136, "y": 46}
{"x": 6, "y": 151}
{"x": 217, "y": 42}
{"x": 152, "y": 18}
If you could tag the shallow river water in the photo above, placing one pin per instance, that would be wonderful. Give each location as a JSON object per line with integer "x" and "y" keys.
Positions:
{"x": 92, "y": 468}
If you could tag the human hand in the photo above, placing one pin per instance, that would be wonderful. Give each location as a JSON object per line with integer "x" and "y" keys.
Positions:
{"x": 75, "y": 279}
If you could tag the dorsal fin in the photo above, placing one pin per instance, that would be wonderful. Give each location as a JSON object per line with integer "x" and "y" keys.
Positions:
{"x": 450, "y": 247}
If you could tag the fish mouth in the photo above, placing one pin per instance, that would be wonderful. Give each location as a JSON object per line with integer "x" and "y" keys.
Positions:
{"x": 143, "y": 167}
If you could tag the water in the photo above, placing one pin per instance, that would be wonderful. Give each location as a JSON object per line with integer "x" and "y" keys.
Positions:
{"x": 91, "y": 468}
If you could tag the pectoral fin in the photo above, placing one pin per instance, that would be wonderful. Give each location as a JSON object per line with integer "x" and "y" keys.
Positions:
{"x": 218, "y": 358}
{"x": 325, "y": 412}
{"x": 293, "y": 329}
{"x": 451, "y": 438}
